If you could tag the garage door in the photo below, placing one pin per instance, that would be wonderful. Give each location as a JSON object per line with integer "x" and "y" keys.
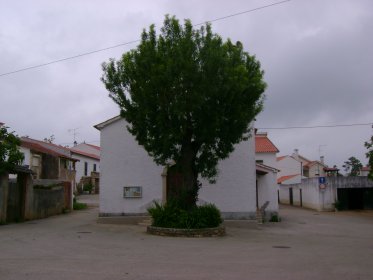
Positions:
{"x": 355, "y": 198}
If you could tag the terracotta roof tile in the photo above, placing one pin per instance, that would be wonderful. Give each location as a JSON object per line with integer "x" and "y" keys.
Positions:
{"x": 280, "y": 158}
{"x": 85, "y": 154}
{"x": 264, "y": 145}
{"x": 285, "y": 178}
{"x": 94, "y": 146}
{"x": 365, "y": 168}
{"x": 46, "y": 148}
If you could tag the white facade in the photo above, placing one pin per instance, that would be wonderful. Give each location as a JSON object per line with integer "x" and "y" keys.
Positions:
{"x": 89, "y": 159}
{"x": 85, "y": 166}
{"x": 125, "y": 163}
{"x": 289, "y": 166}
{"x": 267, "y": 159}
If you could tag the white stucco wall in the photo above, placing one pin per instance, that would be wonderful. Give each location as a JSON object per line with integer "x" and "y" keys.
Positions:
{"x": 316, "y": 170}
{"x": 267, "y": 158}
{"x": 125, "y": 163}
{"x": 312, "y": 196}
{"x": 27, "y": 154}
{"x": 234, "y": 192}
{"x": 294, "y": 180}
{"x": 267, "y": 191}
{"x": 288, "y": 166}
{"x": 79, "y": 165}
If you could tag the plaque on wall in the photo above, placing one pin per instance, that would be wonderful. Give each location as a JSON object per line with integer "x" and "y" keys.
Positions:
{"x": 132, "y": 192}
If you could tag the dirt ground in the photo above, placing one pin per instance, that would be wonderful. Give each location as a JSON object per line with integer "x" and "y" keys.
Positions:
{"x": 304, "y": 245}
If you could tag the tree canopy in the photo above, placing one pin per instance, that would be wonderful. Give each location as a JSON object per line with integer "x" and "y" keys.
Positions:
{"x": 188, "y": 96}
{"x": 352, "y": 166}
{"x": 10, "y": 156}
{"x": 369, "y": 155}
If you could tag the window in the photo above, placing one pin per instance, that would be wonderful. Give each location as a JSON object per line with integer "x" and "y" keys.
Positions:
{"x": 85, "y": 168}
{"x": 259, "y": 161}
{"x": 94, "y": 167}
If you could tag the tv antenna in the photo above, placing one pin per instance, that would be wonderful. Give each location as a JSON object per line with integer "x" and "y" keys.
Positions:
{"x": 74, "y": 132}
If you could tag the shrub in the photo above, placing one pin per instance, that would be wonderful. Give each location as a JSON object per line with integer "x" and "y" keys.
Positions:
{"x": 78, "y": 205}
{"x": 275, "y": 218}
{"x": 88, "y": 187}
{"x": 172, "y": 216}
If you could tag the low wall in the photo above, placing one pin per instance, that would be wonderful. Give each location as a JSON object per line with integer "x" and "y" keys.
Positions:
{"x": 174, "y": 232}
{"x": 309, "y": 195}
{"x": 25, "y": 199}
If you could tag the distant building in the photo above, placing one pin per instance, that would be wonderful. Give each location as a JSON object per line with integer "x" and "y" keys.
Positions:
{"x": 47, "y": 160}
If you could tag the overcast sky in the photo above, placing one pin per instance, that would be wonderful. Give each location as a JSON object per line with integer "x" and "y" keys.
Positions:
{"x": 317, "y": 56}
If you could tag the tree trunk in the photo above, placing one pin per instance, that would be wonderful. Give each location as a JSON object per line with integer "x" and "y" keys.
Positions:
{"x": 184, "y": 189}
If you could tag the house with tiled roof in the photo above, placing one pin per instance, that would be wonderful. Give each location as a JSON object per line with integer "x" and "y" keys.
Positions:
{"x": 290, "y": 170}
{"x": 311, "y": 168}
{"x": 266, "y": 167}
{"x": 89, "y": 160}
{"x": 47, "y": 160}
{"x": 265, "y": 150}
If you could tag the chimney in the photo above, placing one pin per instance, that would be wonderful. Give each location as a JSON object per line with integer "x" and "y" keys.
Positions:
{"x": 322, "y": 159}
{"x": 295, "y": 154}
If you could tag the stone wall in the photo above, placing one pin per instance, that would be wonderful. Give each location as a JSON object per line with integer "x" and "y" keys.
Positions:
{"x": 203, "y": 232}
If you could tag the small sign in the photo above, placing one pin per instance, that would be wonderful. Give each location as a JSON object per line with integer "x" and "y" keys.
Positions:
{"x": 322, "y": 180}
{"x": 322, "y": 186}
{"x": 132, "y": 192}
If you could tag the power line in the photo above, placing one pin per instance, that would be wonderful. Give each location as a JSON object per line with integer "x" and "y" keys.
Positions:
{"x": 135, "y": 41}
{"x": 282, "y": 128}
{"x": 316, "y": 126}
{"x": 244, "y": 12}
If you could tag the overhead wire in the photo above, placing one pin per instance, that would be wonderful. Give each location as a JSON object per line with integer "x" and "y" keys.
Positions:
{"x": 134, "y": 41}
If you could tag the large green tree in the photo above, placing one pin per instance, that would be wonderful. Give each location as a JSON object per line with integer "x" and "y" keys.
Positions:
{"x": 369, "y": 155}
{"x": 10, "y": 156}
{"x": 188, "y": 96}
{"x": 352, "y": 166}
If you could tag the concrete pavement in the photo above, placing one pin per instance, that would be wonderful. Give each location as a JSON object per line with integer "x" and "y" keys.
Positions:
{"x": 305, "y": 245}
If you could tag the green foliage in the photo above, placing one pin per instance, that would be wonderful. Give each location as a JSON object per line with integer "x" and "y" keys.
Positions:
{"x": 188, "y": 96}
{"x": 352, "y": 166}
{"x": 10, "y": 156}
{"x": 172, "y": 216}
{"x": 78, "y": 205}
{"x": 275, "y": 218}
{"x": 369, "y": 155}
{"x": 88, "y": 187}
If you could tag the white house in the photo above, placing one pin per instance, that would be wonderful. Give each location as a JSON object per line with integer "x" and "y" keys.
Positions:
{"x": 266, "y": 171}
{"x": 130, "y": 181}
{"x": 89, "y": 159}
{"x": 290, "y": 170}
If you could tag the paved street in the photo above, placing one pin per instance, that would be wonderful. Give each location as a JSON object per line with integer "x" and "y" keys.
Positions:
{"x": 305, "y": 245}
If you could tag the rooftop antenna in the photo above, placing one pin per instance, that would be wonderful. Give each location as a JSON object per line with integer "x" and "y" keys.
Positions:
{"x": 74, "y": 132}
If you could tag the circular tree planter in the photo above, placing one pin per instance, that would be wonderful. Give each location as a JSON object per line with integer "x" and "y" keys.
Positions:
{"x": 177, "y": 232}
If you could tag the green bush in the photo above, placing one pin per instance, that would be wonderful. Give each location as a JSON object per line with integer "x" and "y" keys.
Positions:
{"x": 172, "y": 216}
{"x": 88, "y": 187}
{"x": 79, "y": 205}
{"x": 275, "y": 218}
